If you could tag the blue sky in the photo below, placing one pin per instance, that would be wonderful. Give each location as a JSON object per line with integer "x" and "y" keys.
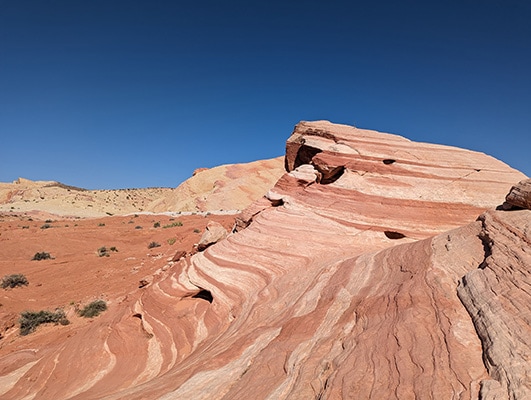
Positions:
{"x": 114, "y": 94}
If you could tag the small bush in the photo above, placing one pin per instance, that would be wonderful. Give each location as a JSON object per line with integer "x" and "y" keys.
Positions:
{"x": 177, "y": 223}
{"x": 46, "y": 226}
{"x": 101, "y": 224}
{"x": 41, "y": 256}
{"x": 93, "y": 309}
{"x": 30, "y": 320}
{"x": 48, "y": 221}
{"x": 153, "y": 245}
{"x": 197, "y": 230}
{"x": 156, "y": 225}
{"x": 171, "y": 241}
{"x": 138, "y": 227}
{"x": 103, "y": 252}
{"x": 14, "y": 280}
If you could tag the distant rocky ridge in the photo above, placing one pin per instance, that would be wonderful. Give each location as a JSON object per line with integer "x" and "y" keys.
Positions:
{"x": 375, "y": 268}
{"x": 26, "y": 196}
{"x": 227, "y": 187}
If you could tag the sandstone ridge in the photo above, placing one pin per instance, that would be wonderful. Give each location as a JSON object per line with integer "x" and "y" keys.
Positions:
{"x": 229, "y": 187}
{"x": 364, "y": 273}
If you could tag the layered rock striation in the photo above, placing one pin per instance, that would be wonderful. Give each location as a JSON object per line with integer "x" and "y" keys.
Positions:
{"x": 363, "y": 274}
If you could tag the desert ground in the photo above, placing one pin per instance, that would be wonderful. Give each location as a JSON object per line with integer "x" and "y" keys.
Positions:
{"x": 77, "y": 274}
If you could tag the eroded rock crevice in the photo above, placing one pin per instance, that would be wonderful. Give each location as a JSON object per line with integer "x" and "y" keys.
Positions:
{"x": 305, "y": 155}
{"x": 496, "y": 298}
{"x": 394, "y": 235}
{"x": 204, "y": 294}
{"x": 329, "y": 174}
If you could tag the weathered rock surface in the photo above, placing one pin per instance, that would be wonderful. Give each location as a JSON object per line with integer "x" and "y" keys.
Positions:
{"x": 498, "y": 299}
{"x": 520, "y": 195}
{"x": 214, "y": 232}
{"x": 342, "y": 283}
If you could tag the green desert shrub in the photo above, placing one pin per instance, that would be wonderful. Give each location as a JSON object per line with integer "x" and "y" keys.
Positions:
{"x": 177, "y": 223}
{"x": 41, "y": 256}
{"x": 93, "y": 309}
{"x": 153, "y": 245}
{"x": 13, "y": 280}
{"x": 30, "y": 320}
{"x": 156, "y": 225}
{"x": 104, "y": 251}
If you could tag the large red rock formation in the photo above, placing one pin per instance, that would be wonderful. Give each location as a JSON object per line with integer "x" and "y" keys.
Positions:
{"x": 363, "y": 274}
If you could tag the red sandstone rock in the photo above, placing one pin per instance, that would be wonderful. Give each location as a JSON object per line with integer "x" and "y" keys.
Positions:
{"x": 145, "y": 281}
{"x": 347, "y": 289}
{"x": 496, "y": 295}
{"x": 520, "y": 195}
{"x": 178, "y": 255}
{"x": 214, "y": 232}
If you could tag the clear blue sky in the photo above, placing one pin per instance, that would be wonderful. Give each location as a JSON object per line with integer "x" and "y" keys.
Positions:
{"x": 115, "y": 94}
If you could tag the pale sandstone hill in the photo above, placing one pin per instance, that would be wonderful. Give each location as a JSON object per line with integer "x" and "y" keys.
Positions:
{"x": 50, "y": 197}
{"x": 227, "y": 187}
{"x": 342, "y": 284}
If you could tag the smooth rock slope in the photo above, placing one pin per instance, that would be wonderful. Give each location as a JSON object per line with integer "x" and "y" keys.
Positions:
{"x": 363, "y": 274}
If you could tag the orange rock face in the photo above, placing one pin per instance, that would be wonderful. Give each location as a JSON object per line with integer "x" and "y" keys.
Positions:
{"x": 363, "y": 274}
